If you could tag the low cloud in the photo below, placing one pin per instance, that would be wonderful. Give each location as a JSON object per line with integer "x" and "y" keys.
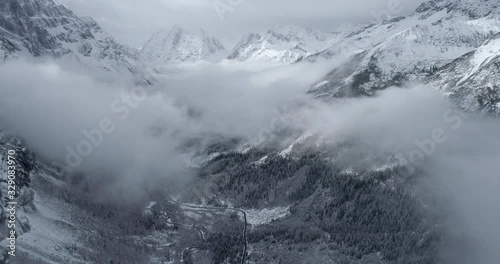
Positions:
{"x": 133, "y": 134}
{"x": 100, "y": 129}
{"x": 54, "y": 109}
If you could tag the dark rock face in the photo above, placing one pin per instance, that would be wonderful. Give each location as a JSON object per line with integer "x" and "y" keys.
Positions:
{"x": 43, "y": 28}
{"x": 435, "y": 5}
{"x": 472, "y": 8}
{"x": 245, "y": 41}
{"x": 29, "y": 22}
{"x": 8, "y": 47}
{"x": 85, "y": 49}
{"x": 468, "y": 79}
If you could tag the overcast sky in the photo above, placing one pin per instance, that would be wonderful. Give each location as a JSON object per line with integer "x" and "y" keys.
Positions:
{"x": 132, "y": 22}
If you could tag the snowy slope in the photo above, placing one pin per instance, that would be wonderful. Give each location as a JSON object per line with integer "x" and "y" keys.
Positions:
{"x": 42, "y": 28}
{"x": 408, "y": 48}
{"x": 471, "y": 79}
{"x": 178, "y": 45}
{"x": 58, "y": 223}
{"x": 283, "y": 44}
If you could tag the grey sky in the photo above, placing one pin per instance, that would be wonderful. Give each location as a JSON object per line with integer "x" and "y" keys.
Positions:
{"x": 132, "y": 22}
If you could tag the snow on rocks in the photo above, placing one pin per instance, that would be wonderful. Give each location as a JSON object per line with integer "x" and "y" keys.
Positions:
{"x": 265, "y": 216}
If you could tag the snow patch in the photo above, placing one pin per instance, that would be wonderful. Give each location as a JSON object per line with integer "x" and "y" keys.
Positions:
{"x": 192, "y": 215}
{"x": 348, "y": 171}
{"x": 320, "y": 84}
{"x": 385, "y": 167}
{"x": 288, "y": 150}
{"x": 482, "y": 56}
{"x": 260, "y": 161}
{"x": 266, "y": 216}
{"x": 149, "y": 209}
{"x": 52, "y": 231}
{"x": 243, "y": 149}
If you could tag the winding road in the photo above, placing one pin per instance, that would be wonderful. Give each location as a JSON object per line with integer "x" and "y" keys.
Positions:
{"x": 245, "y": 247}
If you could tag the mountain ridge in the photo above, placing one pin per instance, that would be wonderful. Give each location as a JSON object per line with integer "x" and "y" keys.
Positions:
{"x": 281, "y": 44}
{"x": 176, "y": 45}
{"x": 467, "y": 80}
{"x": 398, "y": 51}
{"x": 43, "y": 28}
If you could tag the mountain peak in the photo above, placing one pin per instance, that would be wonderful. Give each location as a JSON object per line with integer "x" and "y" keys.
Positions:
{"x": 293, "y": 32}
{"x": 179, "y": 45}
{"x": 44, "y": 28}
{"x": 281, "y": 43}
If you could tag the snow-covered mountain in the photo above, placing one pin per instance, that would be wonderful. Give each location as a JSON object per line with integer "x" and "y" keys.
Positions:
{"x": 284, "y": 44}
{"x": 407, "y": 48}
{"x": 178, "y": 45}
{"x": 43, "y": 28}
{"x": 471, "y": 79}
{"x": 308, "y": 201}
